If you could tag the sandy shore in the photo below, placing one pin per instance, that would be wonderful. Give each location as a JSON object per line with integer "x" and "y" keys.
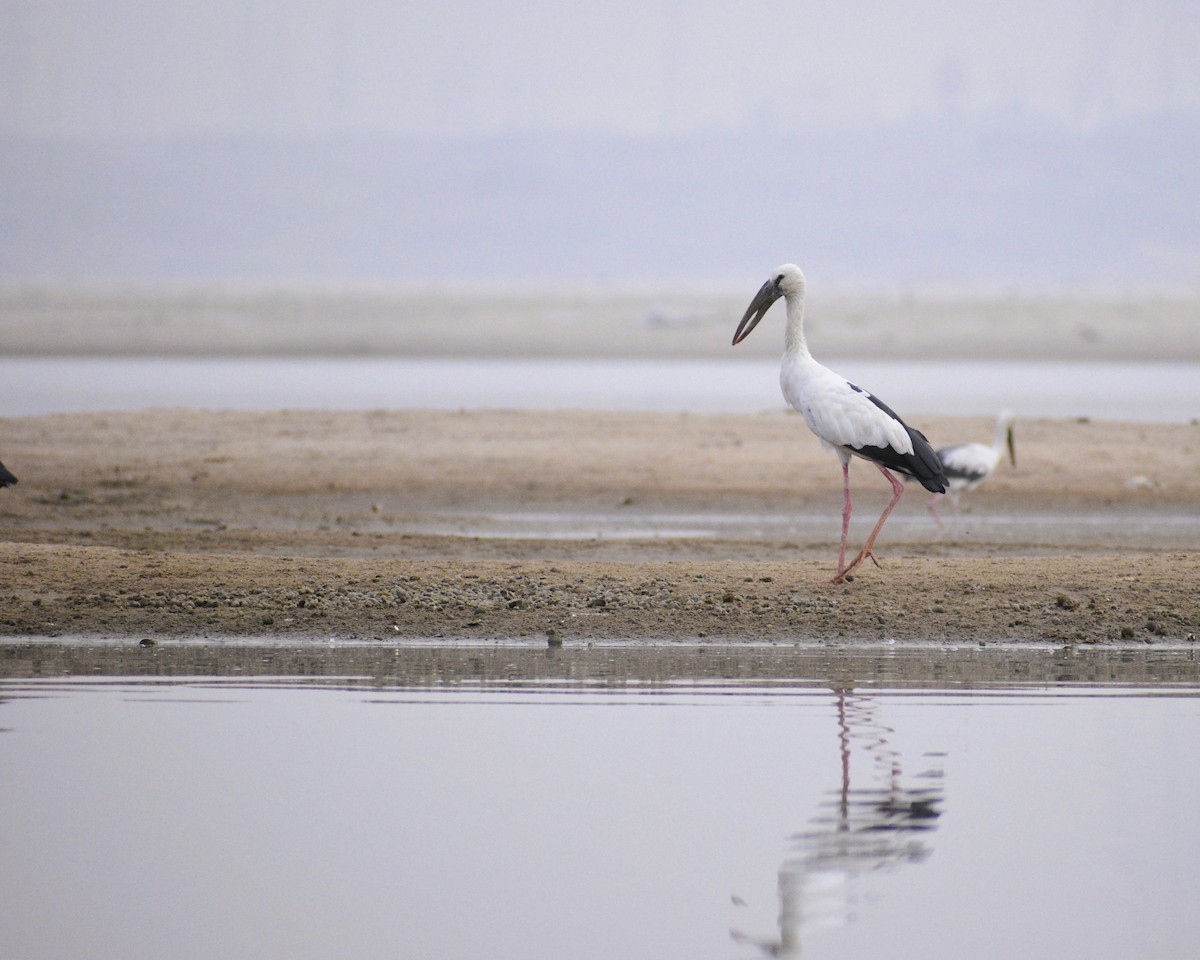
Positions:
{"x": 579, "y": 526}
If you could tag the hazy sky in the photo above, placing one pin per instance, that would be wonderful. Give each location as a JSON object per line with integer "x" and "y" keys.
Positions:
{"x": 643, "y": 67}
{"x": 1023, "y": 142}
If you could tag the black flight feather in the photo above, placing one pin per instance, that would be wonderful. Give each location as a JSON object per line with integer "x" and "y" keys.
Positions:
{"x": 6, "y": 478}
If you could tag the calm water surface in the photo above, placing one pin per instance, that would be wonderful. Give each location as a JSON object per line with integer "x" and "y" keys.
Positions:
{"x": 1168, "y": 392}
{"x": 191, "y": 801}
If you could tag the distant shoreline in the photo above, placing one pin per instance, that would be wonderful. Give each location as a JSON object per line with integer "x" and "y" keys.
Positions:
{"x": 220, "y": 320}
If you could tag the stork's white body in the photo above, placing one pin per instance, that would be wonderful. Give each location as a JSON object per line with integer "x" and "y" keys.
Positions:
{"x": 841, "y": 414}
{"x": 972, "y": 463}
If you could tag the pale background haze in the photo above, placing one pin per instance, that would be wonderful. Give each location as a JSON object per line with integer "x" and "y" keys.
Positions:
{"x": 1026, "y": 145}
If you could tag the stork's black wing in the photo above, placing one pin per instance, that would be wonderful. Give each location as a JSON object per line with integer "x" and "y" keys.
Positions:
{"x": 921, "y": 465}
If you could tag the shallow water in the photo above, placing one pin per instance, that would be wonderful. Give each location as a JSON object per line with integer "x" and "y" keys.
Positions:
{"x": 333, "y": 800}
{"x": 1166, "y": 392}
{"x": 1132, "y": 527}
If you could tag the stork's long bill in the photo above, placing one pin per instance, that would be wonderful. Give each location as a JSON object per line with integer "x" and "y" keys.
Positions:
{"x": 767, "y": 295}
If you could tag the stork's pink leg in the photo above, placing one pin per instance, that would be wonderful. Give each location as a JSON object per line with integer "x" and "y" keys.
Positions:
{"x": 897, "y": 492}
{"x": 933, "y": 510}
{"x": 845, "y": 518}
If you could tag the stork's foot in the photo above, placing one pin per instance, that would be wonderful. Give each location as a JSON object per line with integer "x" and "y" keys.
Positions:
{"x": 847, "y": 575}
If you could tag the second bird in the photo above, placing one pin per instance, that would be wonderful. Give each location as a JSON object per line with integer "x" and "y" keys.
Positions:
{"x": 967, "y": 465}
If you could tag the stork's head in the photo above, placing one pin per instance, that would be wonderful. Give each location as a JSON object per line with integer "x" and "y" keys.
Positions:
{"x": 786, "y": 281}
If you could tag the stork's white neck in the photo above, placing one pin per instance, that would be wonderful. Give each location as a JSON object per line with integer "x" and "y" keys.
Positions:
{"x": 794, "y": 344}
{"x": 1000, "y": 439}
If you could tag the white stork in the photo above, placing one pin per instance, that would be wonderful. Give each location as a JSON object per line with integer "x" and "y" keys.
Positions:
{"x": 967, "y": 465}
{"x": 6, "y": 478}
{"x": 848, "y": 419}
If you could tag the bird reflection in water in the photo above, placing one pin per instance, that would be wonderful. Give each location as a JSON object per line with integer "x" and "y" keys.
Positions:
{"x": 862, "y": 829}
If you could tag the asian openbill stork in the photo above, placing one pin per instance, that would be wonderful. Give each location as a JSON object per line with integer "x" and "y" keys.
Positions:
{"x": 846, "y": 418}
{"x": 967, "y": 465}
